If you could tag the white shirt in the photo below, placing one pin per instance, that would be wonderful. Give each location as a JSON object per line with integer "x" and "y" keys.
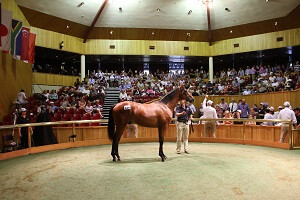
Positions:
{"x": 208, "y": 111}
{"x": 268, "y": 116}
{"x": 21, "y": 97}
{"x": 233, "y": 107}
{"x": 287, "y": 114}
{"x": 247, "y": 92}
{"x": 123, "y": 96}
{"x": 275, "y": 116}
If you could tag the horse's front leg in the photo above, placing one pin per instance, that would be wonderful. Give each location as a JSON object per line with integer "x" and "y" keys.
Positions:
{"x": 161, "y": 132}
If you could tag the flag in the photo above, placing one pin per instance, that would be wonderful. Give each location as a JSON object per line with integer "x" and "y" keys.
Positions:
{"x": 31, "y": 47}
{"x": 16, "y": 37}
{"x": 25, "y": 43}
{"x": 5, "y": 29}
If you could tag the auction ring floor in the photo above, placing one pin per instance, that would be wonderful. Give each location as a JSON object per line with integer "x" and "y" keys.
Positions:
{"x": 210, "y": 171}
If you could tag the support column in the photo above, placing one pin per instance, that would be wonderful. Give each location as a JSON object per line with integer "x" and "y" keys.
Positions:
{"x": 82, "y": 67}
{"x": 211, "y": 69}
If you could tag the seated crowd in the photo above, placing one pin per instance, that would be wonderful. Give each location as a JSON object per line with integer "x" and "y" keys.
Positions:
{"x": 83, "y": 101}
{"x": 88, "y": 96}
{"x": 258, "y": 79}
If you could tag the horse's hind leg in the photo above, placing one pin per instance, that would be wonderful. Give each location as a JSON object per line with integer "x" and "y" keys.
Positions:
{"x": 113, "y": 151}
{"x": 119, "y": 133}
{"x": 161, "y": 131}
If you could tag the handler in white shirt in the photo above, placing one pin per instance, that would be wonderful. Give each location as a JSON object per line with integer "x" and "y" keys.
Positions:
{"x": 209, "y": 113}
{"x": 286, "y": 114}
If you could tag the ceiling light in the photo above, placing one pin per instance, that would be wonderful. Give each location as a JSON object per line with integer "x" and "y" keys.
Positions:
{"x": 190, "y": 12}
{"x": 157, "y": 9}
{"x": 111, "y": 32}
{"x": 81, "y": 4}
{"x": 230, "y": 31}
{"x": 68, "y": 27}
{"x": 266, "y": 0}
{"x": 188, "y": 34}
{"x": 276, "y": 23}
{"x": 152, "y": 33}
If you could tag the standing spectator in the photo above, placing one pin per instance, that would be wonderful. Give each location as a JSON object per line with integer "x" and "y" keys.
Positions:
{"x": 268, "y": 116}
{"x": 245, "y": 110}
{"x": 233, "y": 106}
{"x": 209, "y": 112}
{"x": 275, "y": 116}
{"x": 21, "y": 97}
{"x": 23, "y": 132}
{"x": 286, "y": 114}
{"x": 223, "y": 105}
{"x": 297, "y": 113}
{"x": 183, "y": 114}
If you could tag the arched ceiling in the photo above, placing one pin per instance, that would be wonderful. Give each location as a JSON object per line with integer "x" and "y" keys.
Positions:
{"x": 173, "y": 14}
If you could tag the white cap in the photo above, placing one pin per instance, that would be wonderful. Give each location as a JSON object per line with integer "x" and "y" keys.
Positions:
{"x": 272, "y": 108}
{"x": 23, "y": 110}
{"x": 287, "y": 104}
{"x": 279, "y": 107}
{"x": 209, "y": 102}
{"x": 239, "y": 111}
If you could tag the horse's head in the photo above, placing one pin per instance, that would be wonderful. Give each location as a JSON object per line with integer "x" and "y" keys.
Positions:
{"x": 185, "y": 94}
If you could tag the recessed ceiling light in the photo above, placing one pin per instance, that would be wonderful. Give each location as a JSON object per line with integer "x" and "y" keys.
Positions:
{"x": 68, "y": 27}
{"x": 157, "y": 9}
{"x": 276, "y": 23}
{"x": 190, "y": 12}
{"x": 111, "y": 32}
{"x": 152, "y": 33}
{"x": 231, "y": 31}
{"x": 266, "y": 0}
{"x": 79, "y": 5}
{"x": 188, "y": 34}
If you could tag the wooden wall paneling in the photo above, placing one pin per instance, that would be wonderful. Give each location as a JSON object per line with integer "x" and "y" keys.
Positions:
{"x": 53, "y": 79}
{"x": 141, "y": 47}
{"x": 14, "y": 76}
{"x": 256, "y": 42}
{"x": 52, "y": 40}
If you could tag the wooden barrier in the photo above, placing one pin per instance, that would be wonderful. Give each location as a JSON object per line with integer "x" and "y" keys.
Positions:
{"x": 89, "y": 136}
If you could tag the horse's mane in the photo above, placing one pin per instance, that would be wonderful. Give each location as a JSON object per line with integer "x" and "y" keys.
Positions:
{"x": 168, "y": 97}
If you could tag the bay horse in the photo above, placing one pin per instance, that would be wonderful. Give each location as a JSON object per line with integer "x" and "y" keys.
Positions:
{"x": 157, "y": 114}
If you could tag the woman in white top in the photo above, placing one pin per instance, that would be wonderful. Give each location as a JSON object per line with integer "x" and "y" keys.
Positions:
{"x": 89, "y": 108}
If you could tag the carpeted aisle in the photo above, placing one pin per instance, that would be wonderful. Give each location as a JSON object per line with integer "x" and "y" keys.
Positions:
{"x": 210, "y": 171}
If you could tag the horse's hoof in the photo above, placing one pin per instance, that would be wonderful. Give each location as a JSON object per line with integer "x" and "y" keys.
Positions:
{"x": 114, "y": 160}
{"x": 163, "y": 159}
{"x": 119, "y": 159}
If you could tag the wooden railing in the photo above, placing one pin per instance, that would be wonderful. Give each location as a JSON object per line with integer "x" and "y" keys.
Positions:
{"x": 96, "y": 135}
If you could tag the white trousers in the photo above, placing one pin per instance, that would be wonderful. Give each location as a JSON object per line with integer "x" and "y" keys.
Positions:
{"x": 182, "y": 130}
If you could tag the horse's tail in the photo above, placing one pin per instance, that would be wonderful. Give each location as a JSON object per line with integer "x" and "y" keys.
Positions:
{"x": 111, "y": 124}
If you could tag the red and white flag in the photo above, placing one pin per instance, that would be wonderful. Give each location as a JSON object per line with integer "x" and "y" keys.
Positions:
{"x": 5, "y": 29}
{"x": 25, "y": 43}
{"x": 31, "y": 47}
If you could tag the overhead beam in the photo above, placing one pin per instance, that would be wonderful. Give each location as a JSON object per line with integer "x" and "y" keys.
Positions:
{"x": 94, "y": 21}
{"x": 208, "y": 23}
